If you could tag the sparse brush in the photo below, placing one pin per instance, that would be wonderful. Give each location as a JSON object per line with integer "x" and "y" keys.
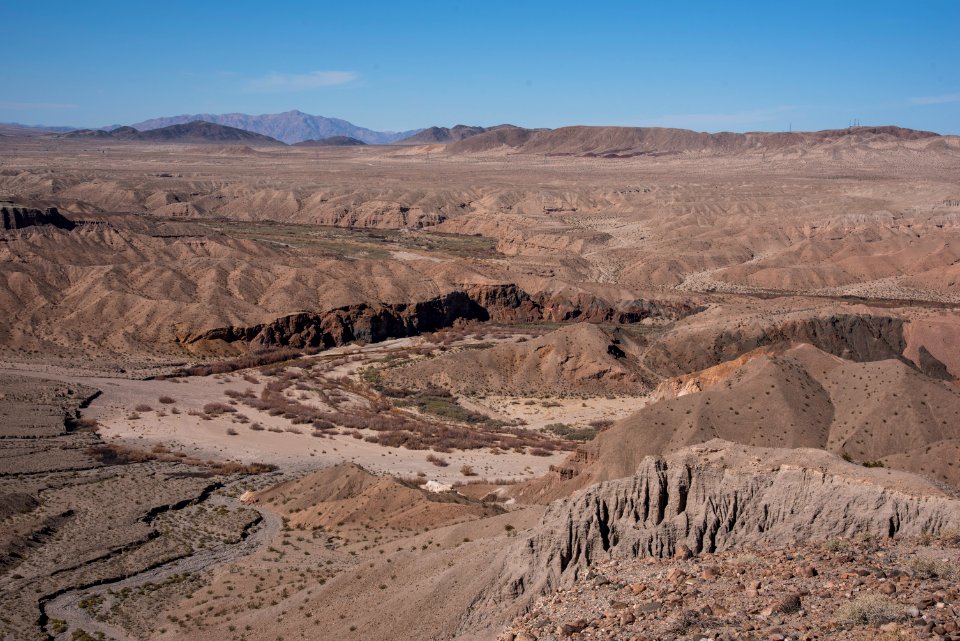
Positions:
{"x": 870, "y": 609}
{"x": 685, "y": 620}
{"x": 836, "y": 545}
{"x": 934, "y": 569}
{"x": 950, "y": 537}
{"x": 437, "y": 460}
{"x": 167, "y": 400}
{"x": 467, "y": 470}
{"x": 143, "y": 407}
{"x": 216, "y": 409}
{"x": 270, "y": 357}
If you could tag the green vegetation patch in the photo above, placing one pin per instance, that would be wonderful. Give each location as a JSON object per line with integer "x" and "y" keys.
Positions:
{"x": 572, "y": 433}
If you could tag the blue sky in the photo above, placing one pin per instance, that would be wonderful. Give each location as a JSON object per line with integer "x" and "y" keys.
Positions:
{"x": 709, "y": 66}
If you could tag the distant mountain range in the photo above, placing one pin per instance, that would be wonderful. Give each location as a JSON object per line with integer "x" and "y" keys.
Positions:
{"x": 332, "y": 141}
{"x": 289, "y": 127}
{"x": 192, "y": 132}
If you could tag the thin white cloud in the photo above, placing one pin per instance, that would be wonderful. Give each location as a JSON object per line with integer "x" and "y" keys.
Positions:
{"x": 300, "y": 81}
{"x": 936, "y": 100}
{"x": 30, "y": 106}
{"x": 714, "y": 120}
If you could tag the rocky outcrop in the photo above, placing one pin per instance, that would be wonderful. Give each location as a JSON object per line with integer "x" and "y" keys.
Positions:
{"x": 370, "y": 323}
{"x": 378, "y": 322}
{"x": 857, "y": 337}
{"x": 13, "y": 217}
{"x": 713, "y": 498}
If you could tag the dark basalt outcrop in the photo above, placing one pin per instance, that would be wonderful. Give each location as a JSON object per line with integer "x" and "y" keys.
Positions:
{"x": 13, "y": 217}
{"x": 377, "y": 322}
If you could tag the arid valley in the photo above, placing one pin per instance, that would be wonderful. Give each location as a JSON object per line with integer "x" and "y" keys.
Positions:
{"x": 579, "y": 383}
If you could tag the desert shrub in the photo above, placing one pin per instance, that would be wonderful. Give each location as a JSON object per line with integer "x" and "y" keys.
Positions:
{"x": 118, "y": 454}
{"x": 684, "y": 620}
{"x": 143, "y": 407}
{"x": 257, "y": 359}
{"x": 835, "y": 545}
{"x": 231, "y": 431}
{"x": 439, "y": 461}
{"x": 870, "y": 609}
{"x": 572, "y": 433}
{"x": 167, "y": 400}
{"x": 256, "y": 427}
{"x": 216, "y": 409}
{"x": 950, "y": 537}
{"x": 934, "y": 569}
{"x": 537, "y": 451}
{"x": 467, "y": 470}
{"x": 83, "y": 424}
{"x": 233, "y": 467}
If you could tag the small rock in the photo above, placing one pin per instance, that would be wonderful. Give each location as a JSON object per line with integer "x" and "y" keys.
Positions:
{"x": 675, "y": 575}
{"x": 682, "y": 552}
{"x": 568, "y": 629}
{"x": 649, "y": 607}
{"x": 809, "y": 571}
{"x": 887, "y": 588}
{"x": 709, "y": 573}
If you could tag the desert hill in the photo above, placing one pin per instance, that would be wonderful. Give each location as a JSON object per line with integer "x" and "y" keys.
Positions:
{"x": 881, "y": 413}
{"x": 506, "y": 137}
{"x": 433, "y": 135}
{"x": 444, "y": 135}
{"x": 332, "y": 141}
{"x": 577, "y": 359}
{"x": 289, "y": 127}
{"x": 348, "y": 495}
{"x": 196, "y": 131}
{"x": 624, "y": 142}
